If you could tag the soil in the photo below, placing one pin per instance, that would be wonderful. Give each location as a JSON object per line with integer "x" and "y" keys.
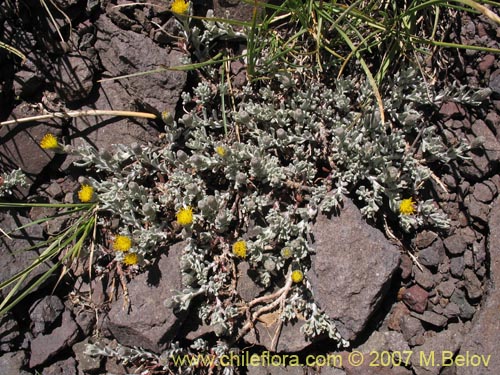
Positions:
{"x": 435, "y": 296}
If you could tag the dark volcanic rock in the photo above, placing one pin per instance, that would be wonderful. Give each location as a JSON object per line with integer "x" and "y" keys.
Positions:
{"x": 13, "y": 254}
{"x": 455, "y": 244}
{"x": 126, "y": 52}
{"x": 9, "y": 332}
{"x": 74, "y": 78}
{"x": 44, "y": 313}
{"x": 149, "y": 323}
{"x": 64, "y": 367}
{"x": 352, "y": 268}
{"x": 12, "y": 363}
{"x": 45, "y": 347}
{"x": 19, "y": 145}
{"x": 483, "y": 337}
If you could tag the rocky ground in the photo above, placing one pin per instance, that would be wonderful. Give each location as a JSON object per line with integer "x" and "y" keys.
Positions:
{"x": 381, "y": 298}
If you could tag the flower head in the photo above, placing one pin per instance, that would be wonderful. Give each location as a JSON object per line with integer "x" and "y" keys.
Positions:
{"x": 180, "y": 6}
{"x": 240, "y": 249}
{"x": 86, "y": 193}
{"x": 297, "y": 276}
{"x": 130, "y": 259}
{"x": 221, "y": 151}
{"x": 49, "y": 142}
{"x": 286, "y": 252}
{"x": 185, "y": 216}
{"x": 122, "y": 243}
{"x": 407, "y": 207}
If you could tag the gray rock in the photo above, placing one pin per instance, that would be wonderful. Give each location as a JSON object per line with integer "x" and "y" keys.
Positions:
{"x": 12, "y": 363}
{"x": 457, "y": 266}
{"x": 14, "y": 257}
{"x": 455, "y": 244}
{"x": 9, "y": 332}
{"x": 352, "y": 268}
{"x": 405, "y": 266}
{"x": 477, "y": 210}
{"x": 380, "y": 341}
{"x": 431, "y": 317}
{"x": 423, "y": 277}
{"x": 495, "y": 83}
{"x": 485, "y": 192}
{"x": 86, "y": 363}
{"x": 433, "y": 255}
{"x": 86, "y": 320}
{"x": 126, "y": 52}
{"x": 446, "y": 288}
{"x": 45, "y": 347}
{"x": 447, "y": 342}
{"x": 416, "y": 298}
{"x": 425, "y": 239}
{"x": 290, "y": 340}
{"x": 44, "y": 313}
{"x": 75, "y": 77}
{"x": 452, "y": 310}
{"x": 483, "y": 337}
{"x": 278, "y": 370}
{"x": 246, "y": 287}
{"x": 466, "y": 309}
{"x": 411, "y": 327}
{"x": 65, "y": 367}
{"x": 19, "y": 146}
{"x": 149, "y": 323}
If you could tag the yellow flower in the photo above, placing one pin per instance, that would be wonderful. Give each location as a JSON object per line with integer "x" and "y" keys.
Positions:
{"x": 180, "y": 6}
{"x": 122, "y": 243}
{"x": 240, "y": 249}
{"x": 86, "y": 193}
{"x": 297, "y": 276}
{"x": 220, "y": 150}
{"x": 130, "y": 259}
{"x": 185, "y": 216}
{"x": 49, "y": 142}
{"x": 407, "y": 206}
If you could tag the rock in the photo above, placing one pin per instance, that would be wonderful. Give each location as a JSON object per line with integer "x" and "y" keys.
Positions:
{"x": 455, "y": 244}
{"x": 425, "y": 239}
{"x": 381, "y": 341}
{"x": 447, "y": 342}
{"x": 495, "y": 83}
{"x": 416, "y": 298}
{"x": 44, "y": 313}
{"x": 405, "y": 266}
{"x": 446, "y": 288}
{"x": 14, "y": 257}
{"x": 126, "y": 52}
{"x": 490, "y": 144}
{"x": 452, "y": 310}
{"x": 45, "y": 347}
{"x": 433, "y": 255}
{"x": 86, "y": 363}
{"x": 486, "y": 63}
{"x": 398, "y": 312}
{"x": 411, "y": 327}
{"x": 65, "y": 367}
{"x": 12, "y": 363}
{"x": 19, "y": 146}
{"x": 278, "y": 370}
{"x": 479, "y": 211}
{"x": 104, "y": 132}
{"x": 246, "y": 287}
{"x": 469, "y": 259}
{"x": 423, "y": 277}
{"x": 352, "y": 268}
{"x": 27, "y": 83}
{"x": 149, "y": 323}
{"x": 457, "y": 266}
{"x": 9, "y": 332}
{"x": 483, "y": 337}
{"x": 86, "y": 321}
{"x": 75, "y": 77}
{"x": 451, "y": 110}
{"x": 485, "y": 192}
{"x": 290, "y": 340}
{"x": 466, "y": 310}
{"x": 431, "y": 317}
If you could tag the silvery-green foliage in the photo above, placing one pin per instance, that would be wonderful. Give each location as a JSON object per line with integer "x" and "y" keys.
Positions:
{"x": 15, "y": 178}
